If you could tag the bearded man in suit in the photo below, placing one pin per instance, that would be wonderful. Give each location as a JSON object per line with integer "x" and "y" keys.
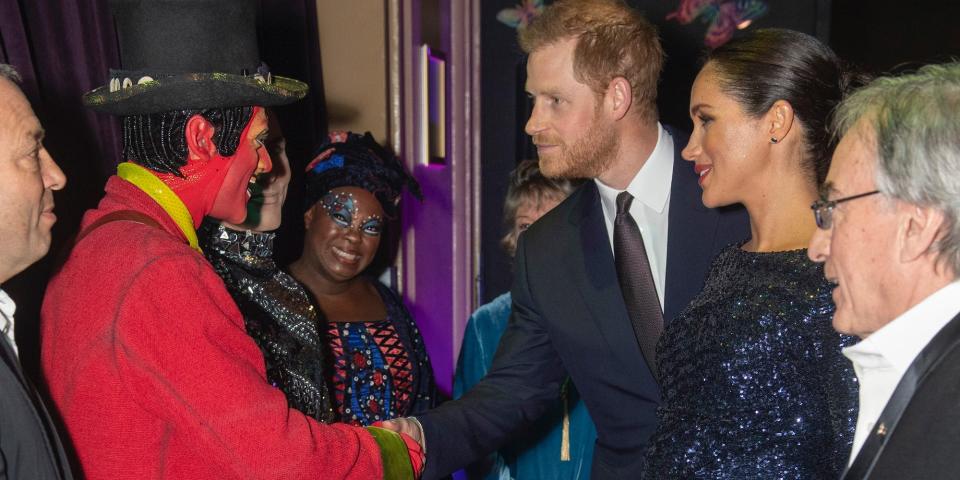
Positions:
{"x": 592, "y": 73}
{"x": 889, "y": 236}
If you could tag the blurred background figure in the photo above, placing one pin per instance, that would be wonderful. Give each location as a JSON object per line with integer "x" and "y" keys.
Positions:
{"x": 379, "y": 368}
{"x": 277, "y": 311}
{"x": 753, "y": 383}
{"x": 559, "y": 445}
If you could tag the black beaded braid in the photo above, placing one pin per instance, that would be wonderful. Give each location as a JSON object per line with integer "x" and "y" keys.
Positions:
{"x": 366, "y": 164}
{"x": 157, "y": 140}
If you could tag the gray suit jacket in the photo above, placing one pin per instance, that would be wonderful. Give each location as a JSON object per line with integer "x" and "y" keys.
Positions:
{"x": 29, "y": 446}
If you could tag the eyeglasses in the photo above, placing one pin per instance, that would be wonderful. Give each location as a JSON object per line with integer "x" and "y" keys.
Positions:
{"x": 823, "y": 209}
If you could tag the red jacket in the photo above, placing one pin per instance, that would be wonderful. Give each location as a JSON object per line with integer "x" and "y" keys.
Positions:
{"x": 154, "y": 375}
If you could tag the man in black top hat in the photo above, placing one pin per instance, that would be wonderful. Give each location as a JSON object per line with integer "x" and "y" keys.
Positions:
{"x": 144, "y": 350}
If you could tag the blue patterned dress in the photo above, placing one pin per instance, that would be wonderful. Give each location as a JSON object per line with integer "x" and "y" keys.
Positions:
{"x": 753, "y": 382}
{"x": 380, "y": 369}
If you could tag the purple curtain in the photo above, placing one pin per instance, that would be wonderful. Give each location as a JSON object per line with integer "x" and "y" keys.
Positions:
{"x": 61, "y": 49}
{"x": 64, "y": 48}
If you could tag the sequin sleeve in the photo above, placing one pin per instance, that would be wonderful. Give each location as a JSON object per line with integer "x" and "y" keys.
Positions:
{"x": 753, "y": 383}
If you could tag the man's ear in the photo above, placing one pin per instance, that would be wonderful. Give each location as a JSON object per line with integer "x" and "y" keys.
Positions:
{"x": 921, "y": 228}
{"x": 619, "y": 97}
{"x": 199, "y": 136}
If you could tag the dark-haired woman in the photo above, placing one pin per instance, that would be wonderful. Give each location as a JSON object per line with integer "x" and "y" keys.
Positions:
{"x": 752, "y": 378}
{"x": 379, "y": 367}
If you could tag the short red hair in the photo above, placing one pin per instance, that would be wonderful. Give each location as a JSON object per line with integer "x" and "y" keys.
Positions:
{"x": 614, "y": 40}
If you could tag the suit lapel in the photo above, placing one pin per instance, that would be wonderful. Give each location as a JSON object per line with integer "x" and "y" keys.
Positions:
{"x": 928, "y": 359}
{"x": 598, "y": 285}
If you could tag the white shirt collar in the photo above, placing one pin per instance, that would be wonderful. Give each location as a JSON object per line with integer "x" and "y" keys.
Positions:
{"x": 648, "y": 185}
{"x": 651, "y": 188}
{"x": 7, "y": 309}
{"x": 898, "y": 343}
{"x": 882, "y": 359}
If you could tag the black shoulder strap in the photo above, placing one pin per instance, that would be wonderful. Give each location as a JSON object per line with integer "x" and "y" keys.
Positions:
{"x": 926, "y": 361}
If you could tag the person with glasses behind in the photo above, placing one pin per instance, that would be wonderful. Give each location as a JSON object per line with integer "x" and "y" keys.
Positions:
{"x": 889, "y": 240}
{"x": 753, "y": 381}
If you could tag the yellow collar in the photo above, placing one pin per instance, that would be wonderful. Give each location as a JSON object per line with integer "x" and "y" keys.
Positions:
{"x": 164, "y": 196}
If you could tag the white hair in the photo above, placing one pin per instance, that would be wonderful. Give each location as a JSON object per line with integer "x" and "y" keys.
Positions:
{"x": 7, "y": 71}
{"x": 915, "y": 121}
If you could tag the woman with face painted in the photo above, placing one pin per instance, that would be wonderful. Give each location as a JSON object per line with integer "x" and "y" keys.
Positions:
{"x": 752, "y": 379}
{"x": 378, "y": 368}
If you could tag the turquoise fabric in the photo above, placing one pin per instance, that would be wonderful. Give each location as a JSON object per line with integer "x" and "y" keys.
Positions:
{"x": 534, "y": 454}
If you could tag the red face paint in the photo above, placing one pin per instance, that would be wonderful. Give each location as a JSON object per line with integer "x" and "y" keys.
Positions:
{"x": 250, "y": 159}
{"x": 218, "y": 187}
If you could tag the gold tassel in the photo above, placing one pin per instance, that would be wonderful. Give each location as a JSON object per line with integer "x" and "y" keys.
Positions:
{"x": 565, "y": 439}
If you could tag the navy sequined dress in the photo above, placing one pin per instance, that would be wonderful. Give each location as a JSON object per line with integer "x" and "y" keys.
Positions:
{"x": 753, "y": 383}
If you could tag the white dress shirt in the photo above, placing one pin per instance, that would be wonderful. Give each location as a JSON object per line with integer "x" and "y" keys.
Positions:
{"x": 650, "y": 208}
{"x": 7, "y": 307}
{"x": 881, "y": 359}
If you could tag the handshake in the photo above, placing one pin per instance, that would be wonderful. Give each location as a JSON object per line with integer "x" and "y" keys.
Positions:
{"x": 410, "y": 431}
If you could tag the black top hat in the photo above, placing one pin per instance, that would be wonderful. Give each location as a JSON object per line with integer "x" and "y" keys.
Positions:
{"x": 189, "y": 55}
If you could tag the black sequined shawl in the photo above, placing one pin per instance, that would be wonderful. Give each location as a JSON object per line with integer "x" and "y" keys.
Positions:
{"x": 278, "y": 315}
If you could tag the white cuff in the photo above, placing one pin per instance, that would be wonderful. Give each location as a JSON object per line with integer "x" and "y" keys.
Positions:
{"x": 423, "y": 438}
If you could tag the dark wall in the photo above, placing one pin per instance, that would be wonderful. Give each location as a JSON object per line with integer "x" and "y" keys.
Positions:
{"x": 501, "y": 136}
{"x": 893, "y": 36}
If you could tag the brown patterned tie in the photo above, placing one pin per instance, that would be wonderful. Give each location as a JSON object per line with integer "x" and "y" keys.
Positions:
{"x": 636, "y": 281}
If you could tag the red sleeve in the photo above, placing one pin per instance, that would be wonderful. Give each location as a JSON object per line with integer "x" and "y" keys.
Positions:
{"x": 182, "y": 348}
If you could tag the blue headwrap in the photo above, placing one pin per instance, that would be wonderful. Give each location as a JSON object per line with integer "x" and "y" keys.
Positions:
{"x": 351, "y": 160}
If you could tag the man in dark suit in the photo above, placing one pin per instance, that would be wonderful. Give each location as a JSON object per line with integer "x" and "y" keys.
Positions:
{"x": 889, "y": 235}
{"x": 592, "y": 72}
{"x": 29, "y": 447}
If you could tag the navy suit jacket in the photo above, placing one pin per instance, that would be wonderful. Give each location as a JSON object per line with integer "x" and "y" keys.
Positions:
{"x": 569, "y": 318}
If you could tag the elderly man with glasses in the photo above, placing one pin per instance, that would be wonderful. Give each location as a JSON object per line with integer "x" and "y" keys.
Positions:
{"x": 889, "y": 235}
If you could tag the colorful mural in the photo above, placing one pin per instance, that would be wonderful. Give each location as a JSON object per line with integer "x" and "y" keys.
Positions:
{"x": 520, "y": 15}
{"x": 723, "y": 16}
